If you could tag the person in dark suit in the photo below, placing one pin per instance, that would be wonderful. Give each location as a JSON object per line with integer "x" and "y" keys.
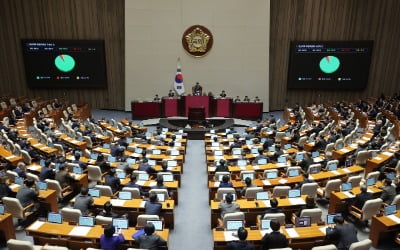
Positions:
{"x": 27, "y": 195}
{"x": 21, "y": 170}
{"x": 268, "y": 143}
{"x": 362, "y": 197}
{"x": 228, "y": 206}
{"x": 248, "y": 183}
{"x": 274, "y": 239}
{"x": 47, "y": 172}
{"x": 171, "y": 93}
{"x": 225, "y": 183}
{"x": 63, "y": 177}
{"x": 278, "y": 152}
{"x": 273, "y": 209}
{"x": 133, "y": 184}
{"x": 83, "y": 201}
{"x": 109, "y": 241}
{"x": 242, "y": 244}
{"x": 310, "y": 204}
{"x": 77, "y": 156}
{"x": 5, "y": 190}
{"x": 343, "y": 234}
{"x": 388, "y": 192}
{"x": 320, "y": 144}
{"x": 160, "y": 183}
{"x": 223, "y": 94}
{"x": 153, "y": 207}
{"x": 107, "y": 210}
{"x": 149, "y": 240}
{"x": 222, "y": 166}
{"x": 261, "y": 156}
{"x": 144, "y": 166}
{"x": 113, "y": 181}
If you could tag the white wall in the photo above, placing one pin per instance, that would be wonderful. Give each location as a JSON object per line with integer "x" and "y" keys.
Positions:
{"x": 237, "y": 63}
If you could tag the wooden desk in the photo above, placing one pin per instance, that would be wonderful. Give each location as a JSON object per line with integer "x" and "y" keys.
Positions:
{"x": 81, "y": 145}
{"x": 63, "y": 231}
{"x": 42, "y": 148}
{"x": 9, "y": 157}
{"x": 381, "y": 227}
{"x": 376, "y": 162}
{"x": 7, "y": 226}
{"x": 337, "y": 201}
{"x": 339, "y": 173}
{"x": 342, "y": 153}
{"x": 82, "y": 179}
{"x": 48, "y": 197}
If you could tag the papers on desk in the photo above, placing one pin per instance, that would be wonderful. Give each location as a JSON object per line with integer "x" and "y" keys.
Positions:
{"x": 317, "y": 159}
{"x": 388, "y": 154}
{"x": 281, "y": 165}
{"x": 74, "y": 141}
{"x": 12, "y": 186}
{"x": 369, "y": 190}
{"x": 348, "y": 194}
{"x": 297, "y": 201}
{"x": 80, "y": 231}
{"x": 323, "y": 229}
{"x": 282, "y": 181}
{"x": 212, "y": 169}
{"x": 292, "y": 232}
{"x": 10, "y": 157}
{"x": 242, "y": 167}
{"x": 335, "y": 172}
{"x": 354, "y": 145}
{"x": 97, "y": 149}
{"x": 394, "y": 218}
{"x": 344, "y": 150}
{"x": 216, "y": 184}
{"x": 310, "y": 178}
{"x": 263, "y": 232}
{"x": 36, "y": 145}
{"x": 256, "y": 167}
{"x": 152, "y": 184}
{"x": 117, "y": 202}
{"x": 346, "y": 170}
{"x": 142, "y": 204}
{"x": 365, "y": 138}
{"x": 140, "y": 183}
{"x": 266, "y": 182}
{"x": 229, "y": 237}
{"x": 36, "y": 225}
{"x": 267, "y": 203}
{"x": 35, "y": 168}
{"x": 377, "y": 158}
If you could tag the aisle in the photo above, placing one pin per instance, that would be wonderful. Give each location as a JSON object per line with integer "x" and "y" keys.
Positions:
{"x": 192, "y": 215}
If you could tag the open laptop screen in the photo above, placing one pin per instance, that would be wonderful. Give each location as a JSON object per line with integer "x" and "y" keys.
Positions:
{"x": 86, "y": 221}
{"x": 54, "y": 218}
{"x": 303, "y": 221}
{"x": 265, "y": 224}
{"x": 161, "y": 197}
{"x": 262, "y": 196}
{"x": 390, "y": 209}
{"x": 1, "y": 209}
{"x": 157, "y": 224}
{"x": 234, "y": 225}
{"x": 123, "y": 195}
{"x": 294, "y": 193}
{"x": 272, "y": 175}
{"x": 371, "y": 182}
{"x": 94, "y": 192}
{"x": 294, "y": 172}
{"x": 347, "y": 186}
{"x": 143, "y": 177}
{"x": 120, "y": 223}
{"x": 330, "y": 217}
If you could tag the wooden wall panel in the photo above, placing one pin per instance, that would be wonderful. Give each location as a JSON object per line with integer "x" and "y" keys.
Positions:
{"x": 63, "y": 19}
{"x": 334, "y": 20}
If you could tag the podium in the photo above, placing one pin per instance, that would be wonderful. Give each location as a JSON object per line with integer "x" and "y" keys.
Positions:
{"x": 223, "y": 107}
{"x": 145, "y": 110}
{"x": 197, "y": 102}
{"x": 196, "y": 114}
{"x": 170, "y": 107}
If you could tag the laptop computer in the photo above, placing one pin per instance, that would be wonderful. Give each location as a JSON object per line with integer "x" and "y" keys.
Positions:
{"x": 248, "y": 175}
{"x": 339, "y": 146}
{"x": 106, "y": 146}
{"x": 311, "y": 139}
{"x": 390, "y": 209}
{"x": 314, "y": 170}
{"x": 42, "y": 185}
{"x": 178, "y": 144}
{"x": 218, "y": 153}
{"x": 288, "y": 133}
{"x": 304, "y": 221}
{"x": 112, "y": 159}
{"x": 265, "y": 224}
{"x": 229, "y": 136}
{"x": 233, "y": 225}
{"x": 86, "y": 221}
{"x": 262, "y": 161}
{"x": 156, "y": 151}
{"x": 143, "y": 177}
{"x": 152, "y": 162}
{"x": 174, "y": 152}
{"x": 129, "y": 140}
{"x": 124, "y": 195}
{"x": 254, "y": 151}
{"x": 94, "y": 192}
{"x": 168, "y": 177}
{"x": 215, "y": 144}
{"x": 77, "y": 170}
{"x": 249, "y": 142}
{"x": 54, "y": 218}
{"x": 130, "y": 161}
{"x": 94, "y": 156}
{"x": 262, "y": 196}
{"x": 391, "y": 176}
{"x": 161, "y": 197}
{"x": 224, "y": 195}
{"x": 263, "y": 140}
{"x": 346, "y": 186}
{"x": 294, "y": 193}
{"x": 271, "y": 149}
{"x": 157, "y": 224}
{"x": 42, "y": 162}
{"x": 241, "y": 163}
{"x": 237, "y": 151}
{"x": 287, "y": 146}
{"x": 19, "y": 180}
{"x": 330, "y": 217}
{"x": 281, "y": 159}
{"x": 2, "y": 209}
{"x": 315, "y": 154}
{"x": 121, "y": 174}
{"x": 332, "y": 167}
{"x": 164, "y": 130}
{"x": 294, "y": 172}
{"x": 120, "y": 223}
{"x": 172, "y": 163}
{"x": 138, "y": 150}
{"x": 370, "y": 182}
{"x": 299, "y": 157}
{"x": 272, "y": 175}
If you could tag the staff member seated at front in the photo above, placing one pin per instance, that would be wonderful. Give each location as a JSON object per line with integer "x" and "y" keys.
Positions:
{"x": 223, "y": 94}
{"x": 275, "y": 239}
{"x": 109, "y": 241}
{"x": 171, "y": 93}
{"x": 47, "y": 172}
{"x": 197, "y": 89}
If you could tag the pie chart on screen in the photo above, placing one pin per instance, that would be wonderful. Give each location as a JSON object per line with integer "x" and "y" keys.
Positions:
{"x": 329, "y": 64}
{"x": 64, "y": 63}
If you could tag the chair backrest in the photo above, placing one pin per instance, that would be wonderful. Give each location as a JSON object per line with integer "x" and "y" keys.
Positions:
{"x": 134, "y": 191}
{"x": 280, "y": 191}
{"x": 293, "y": 168}
{"x": 94, "y": 173}
{"x": 14, "y": 207}
{"x": 270, "y": 171}
{"x": 314, "y": 213}
{"x": 332, "y": 185}
{"x": 222, "y": 191}
{"x": 339, "y": 144}
{"x": 102, "y": 220}
{"x": 280, "y": 217}
{"x": 160, "y": 191}
{"x": 143, "y": 218}
{"x": 302, "y": 141}
{"x": 374, "y": 175}
{"x": 26, "y": 157}
{"x": 309, "y": 189}
{"x": 279, "y": 136}
{"x": 361, "y": 245}
{"x": 252, "y": 191}
{"x": 355, "y": 180}
{"x": 396, "y": 201}
{"x": 370, "y": 208}
{"x": 362, "y": 157}
{"x": 104, "y": 190}
{"x": 232, "y": 216}
{"x": 247, "y": 172}
{"x": 88, "y": 141}
{"x": 326, "y": 247}
{"x": 19, "y": 245}
{"x": 11, "y": 174}
{"x": 70, "y": 214}
{"x": 55, "y": 185}
{"x": 285, "y": 248}
{"x": 32, "y": 177}
{"x": 314, "y": 167}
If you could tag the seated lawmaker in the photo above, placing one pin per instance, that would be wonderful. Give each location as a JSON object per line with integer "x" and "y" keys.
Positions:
{"x": 275, "y": 239}
{"x": 47, "y": 171}
{"x": 171, "y": 93}
{"x": 153, "y": 207}
{"x": 197, "y": 89}
{"x": 107, "y": 210}
{"x": 83, "y": 201}
{"x": 242, "y": 244}
{"x": 110, "y": 241}
{"x": 274, "y": 209}
{"x": 27, "y": 194}
{"x": 228, "y": 206}
{"x": 223, "y": 94}
{"x": 112, "y": 181}
{"x": 343, "y": 234}
{"x": 225, "y": 183}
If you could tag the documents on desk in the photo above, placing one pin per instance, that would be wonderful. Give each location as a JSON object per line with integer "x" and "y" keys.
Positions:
{"x": 36, "y": 225}
{"x": 216, "y": 184}
{"x": 335, "y": 172}
{"x": 266, "y": 182}
{"x": 12, "y": 186}
{"x": 292, "y": 232}
{"x": 317, "y": 159}
{"x": 297, "y": 201}
{"x": 282, "y": 181}
{"x": 10, "y": 157}
{"x": 267, "y": 231}
{"x": 344, "y": 150}
{"x": 117, "y": 202}
{"x": 140, "y": 183}
{"x": 348, "y": 194}
{"x": 394, "y": 218}
{"x": 323, "y": 229}
{"x": 35, "y": 168}
{"x": 142, "y": 204}
{"x": 267, "y": 203}
{"x": 152, "y": 184}
{"x": 212, "y": 169}
{"x": 229, "y": 236}
{"x": 377, "y": 158}
{"x": 256, "y": 167}
{"x": 388, "y": 154}
{"x": 346, "y": 170}
{"x": 80, "y": 231}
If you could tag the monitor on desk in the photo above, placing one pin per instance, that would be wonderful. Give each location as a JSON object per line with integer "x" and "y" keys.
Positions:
{"x": 2, "y": 209}
{"x": 241, "y": 163}
{"x": 215, "y": 144}
{"x": 129, "y": 140}
{"x": 288, "y": 133}
{"x": 314, "y": 170}
{"x": 249, "y": 142}
{"x": 178, "y": 144}
{"x": 370, "y": 182}
{"x": 120, "y": 223}
{"x": 271, "y": 149}
{"x": 332, "y": 167}
{"x": 138, "y": 150}
{"x": 390, "y": 209}
{"x": 165, "y": 130}
{"x": 174, "y": 152}
{"x": 304, "y": 221}
{"x": 86, "y": 221}
{"x": 106, "y": 146}
{"x": 310, "y": 139}
{"x": 236, "y": 151}
{"x": 272, "y": 175}
{"x": 94, "y": 156}
{"x": 143, "y": 177}
{"x": 112, "y": 159}
{"x": 262, "y": 161}
{"x": 42, "y": 162}
{"x": 57, "y": 166}
{"x": 374, "y": 154}
{"x": 262, "y": 196}
{"x": 254, "y": 151}
{"x": 229, "y": 136}
{"x": 315, "y": 154}
{"x": 347, "y": 186}
{"x": 130, "y": 161}
{"x": 294, "y": 172}
{"x": 157, "y": 224}
{"x": 248, "y": 175}
{"x": 161, "y": 197}
{"x": 42, "y": 185}
{"x": 330, "y": 217}
{"x": 218, "y": 153}
{"x": 125, "y": 195}
{"x": 172, "y": 163}
{"x": 339, "y": 146}
{"x": 287, "y": 146}
{"x": 121, "y": 174}
{"x": 54, "y": 218}
{"x": 299, "y": 157}
{"x": 281, "y": 159}
{"x": 148, "y": 134}
{"x": 80, "y": 138}
{"x": 156, "y": 152}
{"x": 94, "y": 192}
{"x": 77, "y": 170}
{"x": 294, "y": 193}
{"x": 152, "y": 162}
{"x": 233, "y": 225}
{"x": 265, "y": 224}
{"x": 263, "y": 140}
{"x": 19, "y": 180}
{"x": 233, "y": 195}
{"x": 168, "y": 177}
{"x": 391, "y": 176}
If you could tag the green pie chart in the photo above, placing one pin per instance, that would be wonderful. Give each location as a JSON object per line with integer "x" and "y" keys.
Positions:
{"x": 329, "y": 64}
{"x": 64, "y": 63}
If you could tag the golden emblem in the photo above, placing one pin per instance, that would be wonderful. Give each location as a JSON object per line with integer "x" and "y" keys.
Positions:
{"x": 197, "y": 40}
